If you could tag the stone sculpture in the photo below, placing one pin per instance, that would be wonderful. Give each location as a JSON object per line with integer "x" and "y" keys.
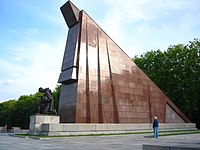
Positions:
{"x": 46, "y": 104}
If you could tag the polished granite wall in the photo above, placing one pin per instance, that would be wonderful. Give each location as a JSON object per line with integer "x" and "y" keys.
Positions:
{"x": 101, "y": 84}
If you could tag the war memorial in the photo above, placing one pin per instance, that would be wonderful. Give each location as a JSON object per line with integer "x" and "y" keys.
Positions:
{"x": 102, "y": 89}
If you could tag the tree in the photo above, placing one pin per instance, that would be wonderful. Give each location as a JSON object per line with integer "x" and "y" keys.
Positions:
{"x": 177, "y": 73}
{"x": 56, "y": 96}
{"x": 25, "y": 107}
{"x": 6, "y": 112}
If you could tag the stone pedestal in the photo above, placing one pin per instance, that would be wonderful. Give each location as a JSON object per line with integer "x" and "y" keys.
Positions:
{"x": 36, "y": 122}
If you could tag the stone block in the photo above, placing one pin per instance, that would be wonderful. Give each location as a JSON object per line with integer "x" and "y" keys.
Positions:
{"x": 36, "y": 122}
{"x": 129, "y": 127}
{"x": 45, "y": 127}
{"x": 55, "y": 127}
{"x": 51, "y": 119}
{"x": 70, "y": 127}
{"x": 101, "y": 127}
{"x": 116, "y": 127}
{"x": 35, "y": 128}
{"x": 87, "y": 127}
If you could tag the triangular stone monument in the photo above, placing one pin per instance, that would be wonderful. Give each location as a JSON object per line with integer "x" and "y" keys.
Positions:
{"x": 101, "y": 84}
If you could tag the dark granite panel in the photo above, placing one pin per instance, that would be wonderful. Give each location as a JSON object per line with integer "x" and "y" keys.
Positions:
{"x": 67, "y": 102}
{"x": 70, "y": 13}
{"x": 70, "y": 55}
{"x": 68, "y": 75}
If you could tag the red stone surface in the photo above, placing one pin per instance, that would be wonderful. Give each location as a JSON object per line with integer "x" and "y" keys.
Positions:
{"x": 101, "y": 84}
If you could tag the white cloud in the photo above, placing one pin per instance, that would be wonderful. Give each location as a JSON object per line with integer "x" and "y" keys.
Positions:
{"x": 10, "y": 81}
{"x": 34, "y": 55}
{"x": 35, "y": 65}
{"x": 140, "y": 26}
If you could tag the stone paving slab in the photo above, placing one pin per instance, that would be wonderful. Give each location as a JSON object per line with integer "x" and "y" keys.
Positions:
{"x": 118, "y": 142}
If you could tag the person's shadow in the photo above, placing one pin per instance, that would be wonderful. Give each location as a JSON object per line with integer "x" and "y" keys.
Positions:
{"x": 148, "y": 136}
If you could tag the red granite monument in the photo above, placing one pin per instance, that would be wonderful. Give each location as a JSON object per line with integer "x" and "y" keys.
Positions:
{"x": 100, "y": 82}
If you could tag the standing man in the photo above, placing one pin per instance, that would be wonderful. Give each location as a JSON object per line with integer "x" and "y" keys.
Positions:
{"x": 155, "y": 127}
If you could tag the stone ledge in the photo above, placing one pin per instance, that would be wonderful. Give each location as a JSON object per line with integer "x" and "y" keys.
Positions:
{"x": 162, "y": 147}
{"x": 81, "y": 129}
{"x": 49, "y": 125}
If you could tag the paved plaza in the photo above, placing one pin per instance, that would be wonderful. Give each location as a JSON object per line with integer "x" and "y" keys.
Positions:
{"x": 119, "y": 142}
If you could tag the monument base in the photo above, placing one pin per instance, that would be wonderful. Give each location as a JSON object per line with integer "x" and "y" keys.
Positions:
{"x": 49, "y": 125}
{"x": 36, "y": 122}
{"x": 87, "y": 129}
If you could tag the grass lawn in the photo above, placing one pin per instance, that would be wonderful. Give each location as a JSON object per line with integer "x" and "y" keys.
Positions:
{"x": 161, "y": 133}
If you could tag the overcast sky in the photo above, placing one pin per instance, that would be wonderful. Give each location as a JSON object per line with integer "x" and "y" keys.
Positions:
{"x": 33, "y": 35}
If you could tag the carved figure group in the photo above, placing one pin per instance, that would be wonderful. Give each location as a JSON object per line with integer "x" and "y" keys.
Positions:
{"x": 46, "y": 104}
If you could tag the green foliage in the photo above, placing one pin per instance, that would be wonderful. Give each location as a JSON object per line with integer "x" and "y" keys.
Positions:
{"x": 25, "y": 106}
{"x": 18, "y": 112}
{"x": 56, "y": 96}
{"x": 6, "y": 112}
{"x": 177, "y": 72}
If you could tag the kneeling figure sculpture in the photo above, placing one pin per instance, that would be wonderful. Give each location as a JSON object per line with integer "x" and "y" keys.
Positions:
{"x": 46, "y": 104}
